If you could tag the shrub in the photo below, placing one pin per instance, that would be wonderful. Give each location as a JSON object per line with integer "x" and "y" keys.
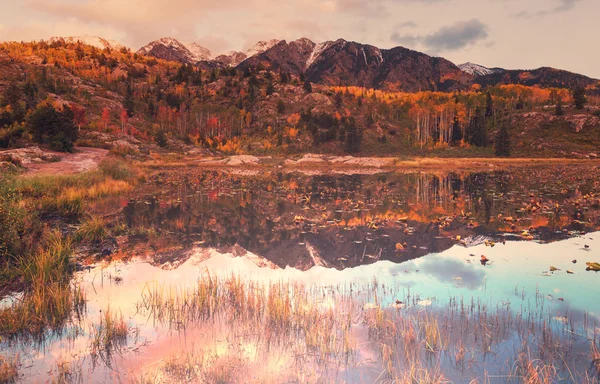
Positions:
{"x": 160, "y": 138}
{"x": 117, "y": 169}
{"x": 9, "y": 136}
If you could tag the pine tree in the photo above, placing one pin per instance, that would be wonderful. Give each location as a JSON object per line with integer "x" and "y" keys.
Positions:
{"x": 477, "y": 130}
{"x": 352, "y": 137}
{"x": 270, "y": 88}
{"x": 489, "y": 105}
{"x": 307, "y": 86}
{"x": 559, "y": 109}
{"x": 502, "y": 141}
{"x": 280, "y": 107}
{"x": 456, "y": 131}
{"x": 128, "y": 102}
{"x": 52, "y": 127}
{"x": 579, "y": 99}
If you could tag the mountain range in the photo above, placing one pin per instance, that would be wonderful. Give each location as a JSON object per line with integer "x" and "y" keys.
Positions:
{"x": 347, "y": 63}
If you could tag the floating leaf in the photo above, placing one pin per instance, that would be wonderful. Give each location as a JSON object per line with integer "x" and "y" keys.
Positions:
{"x": 593, "y": 266}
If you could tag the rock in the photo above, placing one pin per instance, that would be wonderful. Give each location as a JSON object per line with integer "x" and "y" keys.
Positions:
{"x": 23, "y": 155}
{"x": 581, "y": 120}
{"x": 241, "y": 160}
{"x": 311, "y": 158}
{"x": 362, "y": 161}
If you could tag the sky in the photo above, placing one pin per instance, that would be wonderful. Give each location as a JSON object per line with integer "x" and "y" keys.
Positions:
{"x": 512, "y": 34}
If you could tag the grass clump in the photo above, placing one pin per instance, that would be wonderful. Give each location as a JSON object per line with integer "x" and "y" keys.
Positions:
{"x": 49, "y": 298}
{"x": 108, "y": 336}
{"x": 92, "y": 230}
{"x": 9, "y": 369}
{"x": 117, "y": 169}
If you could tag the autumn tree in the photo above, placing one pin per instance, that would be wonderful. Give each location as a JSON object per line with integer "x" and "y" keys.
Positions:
{"x": 106, "y": 117}
{"x": 124, "y": 120}
{"x": 79, "y": 115}
{"x": 579, "y": 99}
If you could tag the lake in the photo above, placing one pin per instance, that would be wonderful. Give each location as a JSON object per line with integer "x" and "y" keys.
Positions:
{"x": 256, "y": 275}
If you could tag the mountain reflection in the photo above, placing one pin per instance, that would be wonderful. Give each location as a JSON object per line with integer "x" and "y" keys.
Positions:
{"x": 342, "y": 221}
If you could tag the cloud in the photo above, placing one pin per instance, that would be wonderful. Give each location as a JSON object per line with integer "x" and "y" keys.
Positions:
{"x": 446, "y": 270}
{"x": 406, "y": 24}
{"x": 561, "y": 6}
{"x": 448, "y": 38}
{"x": 143, "y": 20}
{"x": 457, "y": 36}
{"x": 410, "y": 41}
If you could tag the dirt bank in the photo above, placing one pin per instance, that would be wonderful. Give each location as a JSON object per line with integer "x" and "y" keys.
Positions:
{"x": 82, "y": 160}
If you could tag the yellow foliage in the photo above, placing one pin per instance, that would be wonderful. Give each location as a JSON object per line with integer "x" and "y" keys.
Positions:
{"x": 293, "y": 119}
{"x": 232, "y": 146}
{"x": 292, "y": 133}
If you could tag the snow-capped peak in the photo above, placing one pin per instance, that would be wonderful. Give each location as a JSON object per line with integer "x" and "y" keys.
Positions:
{"x": 233, "y": 58}
{"x": 317, "y": 50}
{"x": 477, "y": 70}
{"x": 192, "y": 52}
{"x": 261, "y": 47}
{"x": 94, "y": 41}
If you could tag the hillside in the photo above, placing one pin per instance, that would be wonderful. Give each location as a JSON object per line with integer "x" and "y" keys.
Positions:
{"x": 134, "y": 104}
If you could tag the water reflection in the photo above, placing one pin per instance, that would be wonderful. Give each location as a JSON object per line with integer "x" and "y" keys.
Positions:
{"x": 342, "y": 221}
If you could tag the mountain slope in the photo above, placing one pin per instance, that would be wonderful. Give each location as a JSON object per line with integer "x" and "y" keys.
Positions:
{"x": 94, "y": 41}
{"x": 545, "y": 77}
{"x": 478, "y": 70}
{"x": 289, "y": 57}
{"x": 348, "y": 63}
{"x": 234, "y": 58}
{"x": 171, "y": 49}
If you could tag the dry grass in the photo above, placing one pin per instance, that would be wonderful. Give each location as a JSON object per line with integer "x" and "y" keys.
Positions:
{"x": 108, "y": 336}
{"x": 315, "y": 330}
{"x": 9, "y": 369}
{"x": 49, "y": 298}
{"x": 93, "y": 230}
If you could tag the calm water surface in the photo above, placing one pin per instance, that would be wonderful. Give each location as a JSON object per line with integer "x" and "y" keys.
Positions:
{"x": 414, "y": 237}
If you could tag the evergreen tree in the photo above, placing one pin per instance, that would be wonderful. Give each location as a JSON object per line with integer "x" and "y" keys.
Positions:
{"x": 456, "y": 131}
{"x": 280, "y": 107}
{"x": 352, "y": 137}
{"x": 270, "y": 88}
{"x": 477, "y": 130}
{"x": 57, "y": 129}
{"x": 128, "y": 101}
{"x": 160, "y": 138}
{"x": 338, "y": 99}
{"x": 489, "y": 105}
{"x": 579, "y": 99}
{"x": 520, "y": 103}
{"x": 307, "y": 86}
{"x": 559, "y": 109}
{"x": 502, "y": 141}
